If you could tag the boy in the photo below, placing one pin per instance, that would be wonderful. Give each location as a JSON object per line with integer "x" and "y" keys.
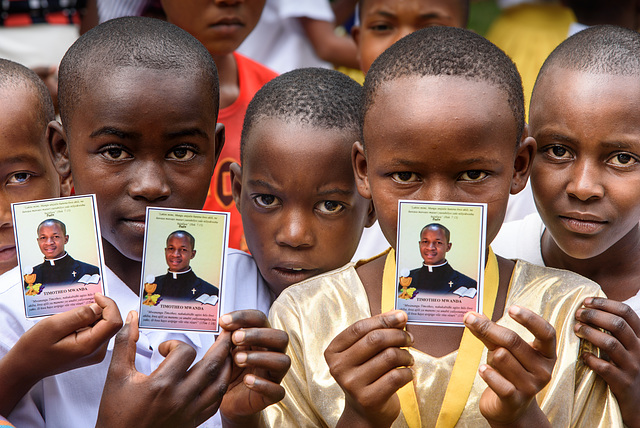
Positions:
{"x": 221, "y": 27}
{"x": 384, "y": 22}
{"x": 443, "y": 120}
{"x": 27, "y": 170}
{"x": 139, "y": 114}
{"x": 585, "y": 112}
{"x": 296, "y": 189}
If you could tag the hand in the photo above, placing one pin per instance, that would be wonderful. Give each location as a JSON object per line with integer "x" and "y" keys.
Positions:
{"x": 516, "y": 370}
{"x": 622, "y": 373}
{"x": 367, "y": 361}
{"x": 62, "y": 342}
{"x": 173, "y": 395}
{"x": 259, "y": 365}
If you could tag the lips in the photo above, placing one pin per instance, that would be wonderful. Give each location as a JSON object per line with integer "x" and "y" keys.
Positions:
{"x": 294, "y": 272}
{"x": 7, "y": 252}
{"x": 583, "y": 223}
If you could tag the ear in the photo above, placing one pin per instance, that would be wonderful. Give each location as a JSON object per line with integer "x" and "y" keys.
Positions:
{"x": 193, "y": 254}
{"x": 448, "y": 247}
{"x": 359, "y": 163}
{"x": 371, "y": 215}
{"x": 59, "y": 152}
{"x": 219, "y": 140}
{"x": 236, "y": 184}
{"x": 525, "y": 154}
{"x": 66, "y": 239}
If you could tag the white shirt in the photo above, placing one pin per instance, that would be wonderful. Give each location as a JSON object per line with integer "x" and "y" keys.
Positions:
{"x": 521, "y": 240}
{"x": 72, "y": 399}
{"x": 279, "y": 41}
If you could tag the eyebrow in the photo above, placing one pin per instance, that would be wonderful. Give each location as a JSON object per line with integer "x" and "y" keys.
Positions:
{"x": 111, "y": 131}
{"x": 262, "y": 183}
{"x": 190, "y": 132}
{"x": 335, "y": 191}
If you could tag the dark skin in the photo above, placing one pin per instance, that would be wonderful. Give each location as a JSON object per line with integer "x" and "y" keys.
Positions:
{"x": 585, "y": 183}
{"x": 157, "y": 148}
{"x": 177, "y": 395}
{"x": 221, "y": 26}
{"x": 460, "y": 171}
{"x": 72, "y": 339}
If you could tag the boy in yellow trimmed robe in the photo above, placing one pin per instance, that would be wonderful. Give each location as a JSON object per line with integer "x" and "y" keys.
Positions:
{"x": 440, "y": 124}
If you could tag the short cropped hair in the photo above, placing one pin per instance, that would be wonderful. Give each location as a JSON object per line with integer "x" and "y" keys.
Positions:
{"x": 136, "y": 42}
{"x": 318, "y": 97}
{"x": 51, "y": 222}
{"x": 14, "y": 75}
{"x": 438, "y": 226}
{"x": 448, "y": 51}
{"x": 184, "y": 233}
{"x": 602, "y": 49}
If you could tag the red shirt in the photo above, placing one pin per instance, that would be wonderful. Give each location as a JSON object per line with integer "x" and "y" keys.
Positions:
{"x": 251, "y": 77}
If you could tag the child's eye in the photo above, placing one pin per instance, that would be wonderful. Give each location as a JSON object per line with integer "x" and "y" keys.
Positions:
{"x": 557, "y": 152}
{"x": 115, "y": 153}
{"x": 404, "y": 177}
{"x": 265, "y": 201}
{"x": 182, "y": 153}
{"x": 623, "y": 159}
{"x": 380, "y": 27}
{"x": 473, "y": 175}
{"x": 330, "y": 207}
{"x": 19, "y": 178}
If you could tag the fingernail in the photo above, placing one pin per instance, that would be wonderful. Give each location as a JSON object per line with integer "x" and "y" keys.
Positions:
{"x": 579, "y": 313}
{"x": 249, "y": 380}
{"x": 588, "y": 300}
{"x": 129, "y": 317}
{"x": 227, "y": 319}
{"x": 400, "y": 316}
{"x": 238, "y": 337}
{"x": 515, "y": 310}
{"x": 577, "y": 330}
{"x": 241, "y": 357}
{"x": 482, "y": 368}
{"x": 96, "y": 308}
{"x": 469, "y": 318}
{"x": 410, "y": 337}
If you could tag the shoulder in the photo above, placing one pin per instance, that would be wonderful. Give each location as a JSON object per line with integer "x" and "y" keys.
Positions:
{"x": 88, "y": 268}
{"x": 415, "y": 271}
{"x": 253, "y": 70}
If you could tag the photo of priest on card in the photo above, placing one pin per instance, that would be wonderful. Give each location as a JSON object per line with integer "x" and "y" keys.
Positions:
{"x": 180, "y": 282}
{"x": 58, "y": 267}
{"x": 436, "y": 275}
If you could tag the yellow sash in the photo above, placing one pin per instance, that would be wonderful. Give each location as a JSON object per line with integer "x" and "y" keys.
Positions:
{"x": 469, "y": 353}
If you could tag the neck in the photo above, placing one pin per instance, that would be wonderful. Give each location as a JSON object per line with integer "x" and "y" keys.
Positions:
{"x": 616, "y": 270}
{"x": 228, "y": 78}
{"x": 126, "y": 269}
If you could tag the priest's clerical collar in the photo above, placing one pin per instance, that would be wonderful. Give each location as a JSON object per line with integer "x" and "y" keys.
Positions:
{"x": 175, "y": 274}
{"x": 434, "y": 266}
{"x": 53, "y": 261}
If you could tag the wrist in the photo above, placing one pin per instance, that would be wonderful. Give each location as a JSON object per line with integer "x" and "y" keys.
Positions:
{"x": 533, "y": 416}
{"x": 351, "y": 418}
{"x": 254, "y": 420}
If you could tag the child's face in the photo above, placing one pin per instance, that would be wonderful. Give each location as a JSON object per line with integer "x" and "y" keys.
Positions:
{"x": 586, "y": 175}
{"x": 440, "y": 139}
{"x": 141, "y": 138}
{"x": 434, "y": 246}
{"x": 178, "y": 253}
{"x": 301, "y": 211}
{"x": 26, "y": 169}
{"x": 384, "y": 22}
{"x": 51, "y": 240}
{"x": 220, "y": 26}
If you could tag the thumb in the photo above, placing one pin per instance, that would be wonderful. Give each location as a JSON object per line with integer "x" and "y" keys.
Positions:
{"x": 124, "y": 350}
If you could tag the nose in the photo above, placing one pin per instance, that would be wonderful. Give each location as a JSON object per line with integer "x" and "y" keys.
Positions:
{"x": 295, "y": 230}
{"x": 584, "y": 183}
{"x": 149, "y": 182}
{"x": 5, "y": 211}
{"x": 436, "y": 189}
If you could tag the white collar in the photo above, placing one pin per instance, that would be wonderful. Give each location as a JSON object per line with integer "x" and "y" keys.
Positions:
{"x": 434, "y": 266}
{"x": 175, "y": 274}
{"x": 53, "y": 261}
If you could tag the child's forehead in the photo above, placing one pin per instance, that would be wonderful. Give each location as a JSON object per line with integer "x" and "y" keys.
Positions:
{"x": 293, "y": 136}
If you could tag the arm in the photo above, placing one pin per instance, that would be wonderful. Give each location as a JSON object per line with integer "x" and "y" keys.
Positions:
{"x": 63, "y": 342}
{"x": 328, "y": 45}
{"x": 622, "y": 372}
{"x": 174, "y": 395}
{"x": 367, "y": 361}
{"x": 259, "y": 365}
{"x": 516, "y": 370}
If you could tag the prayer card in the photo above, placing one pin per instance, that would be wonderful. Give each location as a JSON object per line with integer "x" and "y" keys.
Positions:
{"x": 440, "y": 261}
{"x": 59, "y": 253}
{"x": 183, "y": 269}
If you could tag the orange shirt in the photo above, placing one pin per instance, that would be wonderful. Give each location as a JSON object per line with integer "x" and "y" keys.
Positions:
{"x": 251, "y": 77}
